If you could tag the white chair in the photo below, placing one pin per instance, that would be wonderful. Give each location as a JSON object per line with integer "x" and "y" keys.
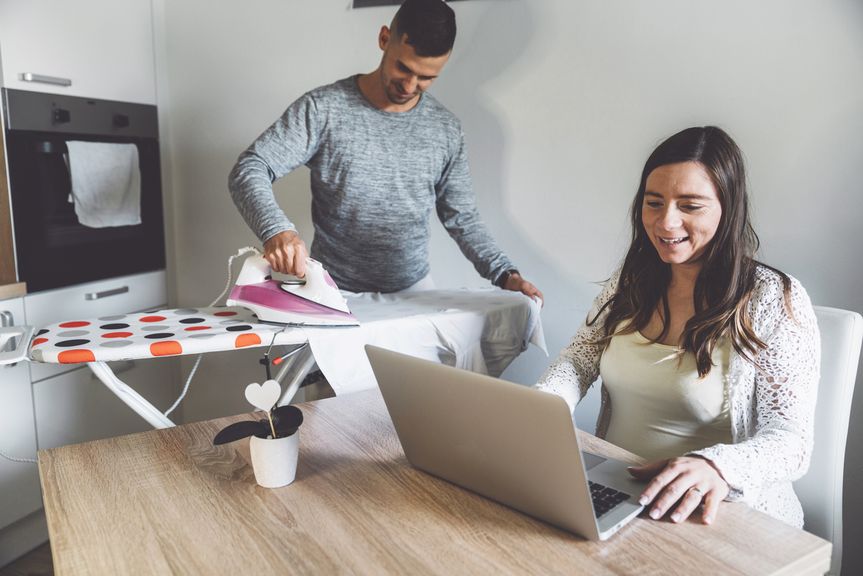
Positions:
{"x": 820, "y": 490}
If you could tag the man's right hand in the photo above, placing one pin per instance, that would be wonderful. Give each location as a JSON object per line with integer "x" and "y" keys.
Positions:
{"x": 286, "y": 253}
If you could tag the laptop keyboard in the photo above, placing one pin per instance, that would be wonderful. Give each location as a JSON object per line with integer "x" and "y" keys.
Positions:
{"x": 605, "y": 498}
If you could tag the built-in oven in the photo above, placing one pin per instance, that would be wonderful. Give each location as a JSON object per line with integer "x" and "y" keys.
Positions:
{"x": 55, "y": 243}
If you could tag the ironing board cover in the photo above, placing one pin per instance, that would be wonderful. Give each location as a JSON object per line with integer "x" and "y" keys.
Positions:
{"x": 150, "y": 334}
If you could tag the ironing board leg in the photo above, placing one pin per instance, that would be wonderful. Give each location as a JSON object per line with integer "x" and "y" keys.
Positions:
{"x": 132, "y": 399}
{"x": 299, "y": 365}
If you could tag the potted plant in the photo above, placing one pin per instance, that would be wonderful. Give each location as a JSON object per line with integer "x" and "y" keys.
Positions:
{"x": 274, "y": 442}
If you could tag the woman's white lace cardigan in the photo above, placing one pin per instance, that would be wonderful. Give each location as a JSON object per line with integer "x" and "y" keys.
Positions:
{"x": 772, "y": 408}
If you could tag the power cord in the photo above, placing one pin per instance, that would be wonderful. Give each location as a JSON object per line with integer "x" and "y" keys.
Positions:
{"x": 21, "y": 460}
{"x": 240, "y": 252}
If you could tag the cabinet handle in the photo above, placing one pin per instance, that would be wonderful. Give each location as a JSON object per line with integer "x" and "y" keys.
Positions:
{"x": 30, "y": 77}
{"x": 6, "y": 319}
{"x": 106, "y": 293}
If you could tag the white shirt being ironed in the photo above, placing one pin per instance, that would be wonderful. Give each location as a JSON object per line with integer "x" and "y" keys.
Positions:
{"x": 772, "y": 401}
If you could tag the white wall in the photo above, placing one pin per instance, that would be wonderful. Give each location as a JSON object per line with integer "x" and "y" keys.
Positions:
{"x": 562, "y": 101}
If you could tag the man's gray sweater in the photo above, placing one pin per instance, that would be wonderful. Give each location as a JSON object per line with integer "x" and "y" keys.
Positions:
{"x": 375, "y": 178}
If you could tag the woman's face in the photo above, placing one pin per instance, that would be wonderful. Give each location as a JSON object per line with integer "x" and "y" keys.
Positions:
{"x": 680, "y": 211}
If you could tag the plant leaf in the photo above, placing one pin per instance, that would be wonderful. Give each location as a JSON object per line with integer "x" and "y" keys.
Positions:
{"x": 239, "y": 430}
{"x": 286, "y": 420}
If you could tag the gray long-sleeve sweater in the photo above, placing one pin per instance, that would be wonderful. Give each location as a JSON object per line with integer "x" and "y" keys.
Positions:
{"x": 375, "y": 177}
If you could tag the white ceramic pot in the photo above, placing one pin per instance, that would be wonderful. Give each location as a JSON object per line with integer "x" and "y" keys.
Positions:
{"x": 275, "y": 460}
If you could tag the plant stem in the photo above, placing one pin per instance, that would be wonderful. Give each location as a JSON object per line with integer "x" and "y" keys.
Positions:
{"x": 270, "y": 418}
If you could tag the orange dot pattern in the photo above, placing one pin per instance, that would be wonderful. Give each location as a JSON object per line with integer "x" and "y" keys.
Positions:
{"x": 167, "y": 348}
{"x": 151, "y": 334}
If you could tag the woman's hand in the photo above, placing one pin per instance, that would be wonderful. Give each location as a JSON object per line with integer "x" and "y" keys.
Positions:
{"x": 686, "y": 481}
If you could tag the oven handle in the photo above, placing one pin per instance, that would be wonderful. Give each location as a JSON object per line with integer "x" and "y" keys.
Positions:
{"x": 105, "y": 293}
{"x": 30, "y": 77}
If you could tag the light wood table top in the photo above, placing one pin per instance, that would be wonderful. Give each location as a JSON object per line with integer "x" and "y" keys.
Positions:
{"x": 168, "y": 501}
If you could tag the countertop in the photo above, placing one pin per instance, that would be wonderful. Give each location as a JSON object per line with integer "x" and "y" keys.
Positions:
{"x": 13, "y": 290}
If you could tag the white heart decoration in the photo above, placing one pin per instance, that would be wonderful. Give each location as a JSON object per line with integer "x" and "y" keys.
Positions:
{"x": 263, "y": 396}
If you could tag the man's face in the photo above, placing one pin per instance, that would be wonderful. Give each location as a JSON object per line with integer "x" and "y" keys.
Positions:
{"x": 404, "y": 74}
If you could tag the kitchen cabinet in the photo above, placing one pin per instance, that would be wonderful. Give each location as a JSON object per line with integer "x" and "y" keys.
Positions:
{"x": 103, "y": 48}
{"x": 76, "y": 407}
{"x": 48, "y": 405}
{"x": 19, "y": 482}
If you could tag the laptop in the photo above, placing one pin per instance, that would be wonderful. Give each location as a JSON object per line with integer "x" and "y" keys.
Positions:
{"x": 504, "y": 441}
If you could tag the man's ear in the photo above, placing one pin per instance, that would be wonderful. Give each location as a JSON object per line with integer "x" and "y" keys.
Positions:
{"x": 384, "y": 37}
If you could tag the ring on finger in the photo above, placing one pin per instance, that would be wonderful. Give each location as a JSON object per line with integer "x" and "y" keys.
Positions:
{"x": 696, "y": 490}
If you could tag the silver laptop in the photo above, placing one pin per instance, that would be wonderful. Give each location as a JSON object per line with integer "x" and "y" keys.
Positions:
{"x": 507, "y": 442}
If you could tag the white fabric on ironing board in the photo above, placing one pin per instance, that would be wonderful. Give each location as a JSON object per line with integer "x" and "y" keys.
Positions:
{"x": 477, "y": 330}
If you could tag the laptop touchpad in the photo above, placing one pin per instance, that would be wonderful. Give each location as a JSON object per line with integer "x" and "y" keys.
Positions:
{"x": 591, "y": 460}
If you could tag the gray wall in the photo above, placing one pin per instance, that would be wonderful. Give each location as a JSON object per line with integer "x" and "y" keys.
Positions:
{"x": 561, "y": 100}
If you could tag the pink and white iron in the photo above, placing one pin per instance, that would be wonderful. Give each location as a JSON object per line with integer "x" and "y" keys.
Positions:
{"x": 315, "y": 302}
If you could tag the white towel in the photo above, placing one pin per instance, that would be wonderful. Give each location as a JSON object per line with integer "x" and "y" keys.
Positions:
{"x": 106, "y": 183}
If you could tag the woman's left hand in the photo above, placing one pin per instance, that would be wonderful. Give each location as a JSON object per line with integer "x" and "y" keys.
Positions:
{"x": 686, "y": 481}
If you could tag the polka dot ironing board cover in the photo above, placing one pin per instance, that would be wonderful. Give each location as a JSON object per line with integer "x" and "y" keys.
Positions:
{"x": 150, "y": 334}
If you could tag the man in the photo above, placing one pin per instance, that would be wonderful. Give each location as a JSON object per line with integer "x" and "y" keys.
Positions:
{"x": 382, "y": 154}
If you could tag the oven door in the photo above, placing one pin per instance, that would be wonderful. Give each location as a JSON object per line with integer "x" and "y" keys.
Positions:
{"x": 52, "y": 247}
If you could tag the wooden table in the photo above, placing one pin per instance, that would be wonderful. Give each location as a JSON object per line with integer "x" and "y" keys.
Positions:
{"x": 168, "y": 501}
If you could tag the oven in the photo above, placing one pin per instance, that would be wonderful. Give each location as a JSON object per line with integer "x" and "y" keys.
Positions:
{"x": 55, "y": 244}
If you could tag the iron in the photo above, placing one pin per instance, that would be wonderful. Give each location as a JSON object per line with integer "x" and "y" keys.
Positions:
{"x": 313, "y": 302}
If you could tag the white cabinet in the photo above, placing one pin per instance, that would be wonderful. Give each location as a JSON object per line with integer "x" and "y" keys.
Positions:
{"x": 19, "y": 482}
{"x": 48, "y": 405}
{"x": 104, "y": 47}
{"x": 76, "y": 407}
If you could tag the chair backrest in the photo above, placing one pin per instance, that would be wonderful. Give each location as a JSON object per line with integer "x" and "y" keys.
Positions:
{"x": 820, "y": 490}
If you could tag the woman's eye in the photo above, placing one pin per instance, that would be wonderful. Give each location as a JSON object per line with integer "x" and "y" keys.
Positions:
{"x": 692, "y": 207}
{"x": 653, "y": 203}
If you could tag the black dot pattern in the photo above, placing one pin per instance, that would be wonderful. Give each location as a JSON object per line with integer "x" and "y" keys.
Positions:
{"x": 191, "y": 320}
{"x": 238, "y": 328}
{"x": 159, "y": 335}
{"x": 70, "y": 343}
{"x": 115, "y": 326}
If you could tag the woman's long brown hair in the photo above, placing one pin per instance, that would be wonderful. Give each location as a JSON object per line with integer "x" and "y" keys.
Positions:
{"x": 727, "y": 277}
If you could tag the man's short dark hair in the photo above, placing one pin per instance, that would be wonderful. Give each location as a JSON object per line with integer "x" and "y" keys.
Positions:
{"x": 429, "y": 25}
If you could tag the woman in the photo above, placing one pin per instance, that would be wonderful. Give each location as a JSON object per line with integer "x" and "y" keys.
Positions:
{"x": 709, "y": 359}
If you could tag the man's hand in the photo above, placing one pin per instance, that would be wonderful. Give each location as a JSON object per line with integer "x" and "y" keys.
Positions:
{"x": 518, "y": 284}
{"x": 687, "y": 482}
{"x": 287, "y": 253}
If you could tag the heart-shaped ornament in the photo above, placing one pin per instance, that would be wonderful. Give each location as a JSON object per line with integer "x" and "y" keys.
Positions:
{"x": 263, "y": 396}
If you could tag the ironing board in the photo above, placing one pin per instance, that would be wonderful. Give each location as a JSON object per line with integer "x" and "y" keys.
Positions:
{"x": 481, "y": 330}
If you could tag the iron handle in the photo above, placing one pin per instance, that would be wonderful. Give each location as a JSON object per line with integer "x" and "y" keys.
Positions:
{"x": 42, "y": 79}
{"x": 106, "y": 293}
